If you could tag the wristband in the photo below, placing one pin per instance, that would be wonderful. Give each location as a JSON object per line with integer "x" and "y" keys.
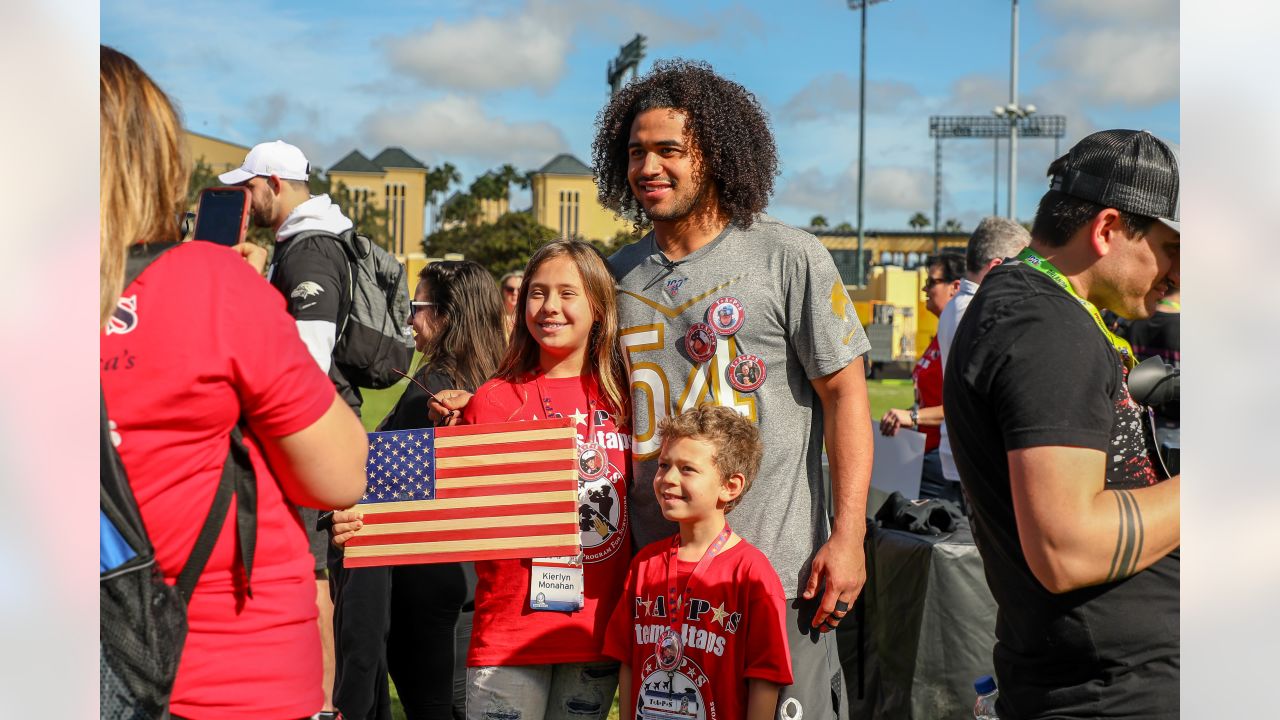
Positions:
{"x": 915, "y": 417}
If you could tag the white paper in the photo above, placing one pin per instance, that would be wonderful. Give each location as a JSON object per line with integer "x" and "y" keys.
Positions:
{"x": 898, "y": 462}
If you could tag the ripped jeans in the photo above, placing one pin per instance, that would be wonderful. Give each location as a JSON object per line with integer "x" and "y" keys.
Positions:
{"x": 567, "y": 691}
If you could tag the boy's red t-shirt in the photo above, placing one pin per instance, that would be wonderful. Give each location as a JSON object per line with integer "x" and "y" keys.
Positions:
{"x": 505, "y": 631}
{"x": 199, "y": 341}
{"x": 733, "y": 629}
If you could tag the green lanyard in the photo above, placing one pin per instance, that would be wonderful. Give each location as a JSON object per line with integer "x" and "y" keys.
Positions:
{"x": 1037, "y": 261}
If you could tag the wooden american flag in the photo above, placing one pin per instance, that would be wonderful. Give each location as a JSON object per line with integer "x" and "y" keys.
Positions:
{"x": 475, "y": 492}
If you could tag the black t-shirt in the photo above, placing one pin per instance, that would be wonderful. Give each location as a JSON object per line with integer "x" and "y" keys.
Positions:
{"x": 1030, "y": 368}
{"x": 312, "y": 274}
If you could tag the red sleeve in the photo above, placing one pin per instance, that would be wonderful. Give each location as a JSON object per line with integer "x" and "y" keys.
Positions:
{"x": 619, "y": 633}
{"x": 767, "y": 627}
{"x": 281, "y": 388}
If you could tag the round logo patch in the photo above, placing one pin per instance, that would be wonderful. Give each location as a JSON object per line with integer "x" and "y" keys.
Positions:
{"x": 592, "y": 461}
{"x": 746, "y": 373}
{"x": 700, "y": 342}
{"x": 602, "y": 516}
{"x": 674, "y": 693}
{"x": 726, "y": 315}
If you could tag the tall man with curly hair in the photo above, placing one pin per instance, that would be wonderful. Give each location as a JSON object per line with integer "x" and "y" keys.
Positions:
{"x": 691, "y": 154}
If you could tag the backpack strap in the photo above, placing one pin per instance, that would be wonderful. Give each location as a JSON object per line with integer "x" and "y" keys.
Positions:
{"x": 115, "y": 496}
{"x": 237, "y": 480}
{"x": 349, "y": 244}
{"x": 141, "y": 255}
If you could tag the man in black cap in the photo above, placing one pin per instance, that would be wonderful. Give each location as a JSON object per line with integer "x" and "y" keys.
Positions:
{"x": 1078, "y": 533}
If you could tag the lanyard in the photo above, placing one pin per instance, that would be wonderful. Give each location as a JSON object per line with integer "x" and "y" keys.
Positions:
{"x": 1038, "y": 262}
{"x": 676, "y": 596}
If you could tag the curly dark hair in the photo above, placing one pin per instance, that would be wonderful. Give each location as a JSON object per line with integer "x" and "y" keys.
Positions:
{"x": 724, "y": 122}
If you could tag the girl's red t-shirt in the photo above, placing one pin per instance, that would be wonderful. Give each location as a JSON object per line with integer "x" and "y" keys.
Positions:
{"x": 505, "y": 631}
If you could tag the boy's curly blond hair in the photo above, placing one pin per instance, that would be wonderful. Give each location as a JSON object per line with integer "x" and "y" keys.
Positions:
{"x": 735, "y": 441}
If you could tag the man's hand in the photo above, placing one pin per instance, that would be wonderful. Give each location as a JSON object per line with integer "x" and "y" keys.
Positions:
{"x": 839, "y": 569}
{"x": 893, "y": 420}
{"x": 346, "y": 523}
{"x": 255, "y": 255}
{"x": 446, "y": 408}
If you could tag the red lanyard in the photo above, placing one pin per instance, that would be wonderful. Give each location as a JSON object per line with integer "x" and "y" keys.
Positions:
{"x": 676, "y": 598}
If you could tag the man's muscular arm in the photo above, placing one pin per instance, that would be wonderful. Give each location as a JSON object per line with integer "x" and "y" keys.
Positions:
{"x": 839, "y": 568}
{"x": 1074, "y": 532}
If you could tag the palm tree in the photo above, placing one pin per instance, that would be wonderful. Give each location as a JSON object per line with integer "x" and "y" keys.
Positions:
{"x": 439, "y": 180}
{"x": 918, "y": 221}
{"x": 843, "y": 228}
{"x": 817, "y": 221}
{"x": 952, "y": 225}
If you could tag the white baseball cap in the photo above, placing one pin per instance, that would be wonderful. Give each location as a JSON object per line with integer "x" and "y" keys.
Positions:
{"x": 277, "y": 158}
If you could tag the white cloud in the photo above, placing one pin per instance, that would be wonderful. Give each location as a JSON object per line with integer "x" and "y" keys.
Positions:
{"x": 837, "y": 93}
{"x": 1136, "y": 14}
{"x": 486, "y": 53}
{"x": 890, "y": 190}
{"x": 458, "y": 127}
{"x": 1115, "y": 65}
{"x": 529, "y": 45}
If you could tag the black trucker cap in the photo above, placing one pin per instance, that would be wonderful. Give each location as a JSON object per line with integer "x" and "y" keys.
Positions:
{"x": 1129, "y": 170}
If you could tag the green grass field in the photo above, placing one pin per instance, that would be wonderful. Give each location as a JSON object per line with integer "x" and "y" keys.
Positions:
{"x": 882, "y": 394}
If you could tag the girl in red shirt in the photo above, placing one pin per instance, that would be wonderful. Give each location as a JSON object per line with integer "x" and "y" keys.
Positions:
{"x": 536, "y": 641}
{"x": 535, "y": 652}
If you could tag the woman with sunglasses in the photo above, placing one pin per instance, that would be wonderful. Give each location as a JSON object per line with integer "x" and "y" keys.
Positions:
{"x": 510, "y": 293}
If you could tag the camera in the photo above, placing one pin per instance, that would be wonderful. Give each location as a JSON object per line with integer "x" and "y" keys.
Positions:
{"x": 1156, "y": 385}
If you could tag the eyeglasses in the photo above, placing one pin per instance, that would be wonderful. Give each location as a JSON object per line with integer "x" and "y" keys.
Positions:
{"x": 416, "y": 305}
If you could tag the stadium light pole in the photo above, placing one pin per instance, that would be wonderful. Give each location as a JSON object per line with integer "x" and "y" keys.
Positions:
{"x": 862, "y": 123}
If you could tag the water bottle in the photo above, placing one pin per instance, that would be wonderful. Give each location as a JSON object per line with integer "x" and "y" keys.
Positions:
{"x": 985, "y": 707}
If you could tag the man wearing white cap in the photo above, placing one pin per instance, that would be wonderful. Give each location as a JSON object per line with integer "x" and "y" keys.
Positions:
{"x": 311, "y": 273}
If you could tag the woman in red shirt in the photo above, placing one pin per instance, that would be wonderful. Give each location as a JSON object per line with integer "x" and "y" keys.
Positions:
{"x": 196, "y": 344}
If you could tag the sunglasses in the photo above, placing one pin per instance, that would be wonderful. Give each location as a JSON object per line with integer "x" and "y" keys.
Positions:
{"x": 416, "y": 305}
{"x": 933, "y": 281}
{"x": 511, "y": 289}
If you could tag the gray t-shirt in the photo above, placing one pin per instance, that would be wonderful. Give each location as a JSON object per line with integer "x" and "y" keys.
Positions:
{"x": 794, "y": 316}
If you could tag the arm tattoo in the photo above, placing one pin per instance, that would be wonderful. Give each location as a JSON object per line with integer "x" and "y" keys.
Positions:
{"x": 1129, "y": 538}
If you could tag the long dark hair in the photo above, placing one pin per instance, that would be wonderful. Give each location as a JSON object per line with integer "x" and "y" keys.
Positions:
{"x": 471, "y": 343}
{"x": 603, "y": 353}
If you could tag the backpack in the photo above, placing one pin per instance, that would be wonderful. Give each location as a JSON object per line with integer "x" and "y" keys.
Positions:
{"x": 374, "y": 343}
{"x": 143, "y": 619}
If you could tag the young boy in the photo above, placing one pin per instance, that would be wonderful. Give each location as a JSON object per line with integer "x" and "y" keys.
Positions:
{"x": 700, "y": 629}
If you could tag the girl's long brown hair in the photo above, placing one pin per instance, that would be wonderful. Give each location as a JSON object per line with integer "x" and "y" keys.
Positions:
{"x": 471, "y": 343}
{"x": 142, "y": 171}
{"x": 603, "y": 353}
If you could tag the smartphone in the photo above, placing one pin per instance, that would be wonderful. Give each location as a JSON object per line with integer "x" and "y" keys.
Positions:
{"x": 222, "y": 216}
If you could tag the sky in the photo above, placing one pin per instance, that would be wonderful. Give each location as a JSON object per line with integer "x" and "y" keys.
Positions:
{"x": 483, "y": 83}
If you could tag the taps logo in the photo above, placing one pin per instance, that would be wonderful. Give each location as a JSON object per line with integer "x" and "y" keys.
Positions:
{"x": 125, "y": 317}
{"x": 306, "y": 289}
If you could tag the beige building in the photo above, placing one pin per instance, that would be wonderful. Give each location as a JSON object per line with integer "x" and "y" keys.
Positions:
{"x": 219, "y": 155}
{"x": 564, "y": 199}
{"x": 393, "y": 181}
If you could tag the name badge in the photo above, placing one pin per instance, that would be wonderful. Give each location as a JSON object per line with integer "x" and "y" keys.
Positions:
{"x": 556, "y": 584}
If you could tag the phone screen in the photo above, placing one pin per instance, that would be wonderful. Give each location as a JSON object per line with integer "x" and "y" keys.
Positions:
{"x": 221, "y": 215}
